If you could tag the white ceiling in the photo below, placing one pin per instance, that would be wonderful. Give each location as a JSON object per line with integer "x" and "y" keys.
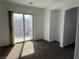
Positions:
{"x": 40, "y": 3}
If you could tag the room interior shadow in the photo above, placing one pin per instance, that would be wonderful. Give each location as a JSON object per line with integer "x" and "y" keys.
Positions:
{"x": 36, "y": 47}
{"x": 22, "y": 47}
{"x": 49, "y": 50}
{"x": 4, "y": 51}
{"x": 21, "y": 50}
{"x": 71, "y": 46}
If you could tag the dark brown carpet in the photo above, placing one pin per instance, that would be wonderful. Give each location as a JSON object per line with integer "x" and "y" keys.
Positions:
{"x": 37, "y": 50}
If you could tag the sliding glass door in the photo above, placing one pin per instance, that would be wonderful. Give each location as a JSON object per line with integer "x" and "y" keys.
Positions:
{"x": 28, "y": 27}
{"x": 22, "y": 27}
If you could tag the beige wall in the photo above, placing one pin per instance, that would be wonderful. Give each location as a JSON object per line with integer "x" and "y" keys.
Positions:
{"x": 1, "y": 35}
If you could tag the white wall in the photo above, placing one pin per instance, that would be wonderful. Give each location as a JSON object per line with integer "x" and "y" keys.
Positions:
{"x": 46, "y": 25}
{"x": 4, "y": 23}
{"x": 62, "y": 15}
{"x": 55, "y": 25}
{"x": 51, "y": 29}
{"x": 52, "y": 25}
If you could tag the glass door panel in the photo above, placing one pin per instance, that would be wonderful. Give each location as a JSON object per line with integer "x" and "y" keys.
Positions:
{"x": 18, "y": 27}
{"x": 28, "y": 27}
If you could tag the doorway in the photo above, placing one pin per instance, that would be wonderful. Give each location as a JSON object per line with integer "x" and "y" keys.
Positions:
{"x": 70, "y": 27}
{"x": 22, "y": 27}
